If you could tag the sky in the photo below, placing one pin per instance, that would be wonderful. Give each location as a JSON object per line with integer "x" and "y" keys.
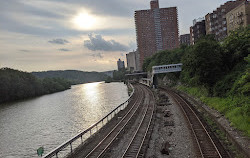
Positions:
{"x": 86, "y": 35}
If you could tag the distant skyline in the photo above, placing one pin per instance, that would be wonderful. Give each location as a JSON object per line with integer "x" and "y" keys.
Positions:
{"x": 87, "y": 35}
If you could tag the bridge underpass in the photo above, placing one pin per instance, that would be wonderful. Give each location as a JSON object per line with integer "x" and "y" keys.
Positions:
{"x": 150, "y": 78}
{"x": 162, "y": 69}
{"x": 136, "y": 76}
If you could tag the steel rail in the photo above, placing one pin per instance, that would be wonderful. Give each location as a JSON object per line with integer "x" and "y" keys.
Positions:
{"x": 195, "y": 131}
{"x": 101, "y": 152}
{"x": 80, "y": 135}
{"x": 133, "y": 144}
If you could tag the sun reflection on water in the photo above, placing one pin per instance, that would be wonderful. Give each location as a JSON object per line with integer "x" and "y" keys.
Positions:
{"x": 92, "y": 92}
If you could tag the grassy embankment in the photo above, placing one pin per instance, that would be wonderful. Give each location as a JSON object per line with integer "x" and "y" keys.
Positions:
{"x": 234, "y": 108}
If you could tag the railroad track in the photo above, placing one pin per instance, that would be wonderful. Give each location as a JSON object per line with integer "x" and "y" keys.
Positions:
{"x": 100, "y": 149}
{"x": 208, "y": 147}
{"x": 134, "y": 147}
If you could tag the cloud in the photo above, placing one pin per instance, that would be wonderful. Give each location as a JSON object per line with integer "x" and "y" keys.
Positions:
{"x": 98, "y": 55}
{"x": 27, "y": 26}
{"x": 24, "y": 50}
{"x": 132, "y": 45}
{"x": 59, "y": 41}
{"x": 104, "y": 7}
{"x": 64, "y": 50}
{"x": 98, "y": 43}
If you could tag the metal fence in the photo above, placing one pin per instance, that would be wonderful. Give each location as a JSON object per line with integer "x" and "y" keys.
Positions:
{"x": 90, "y": 131}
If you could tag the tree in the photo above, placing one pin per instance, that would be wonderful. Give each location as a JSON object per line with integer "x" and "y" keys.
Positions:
{"x": 203, "y": 62}
{"x": 236, "y": 46}
{"x": 164, "y": 57}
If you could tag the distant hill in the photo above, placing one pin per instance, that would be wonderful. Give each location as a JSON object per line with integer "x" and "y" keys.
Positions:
{"x": 17, "y": 85}
{"x": 74, "y": 76}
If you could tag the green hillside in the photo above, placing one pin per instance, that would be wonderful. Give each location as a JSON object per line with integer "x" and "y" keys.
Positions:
{"x": 16, "y": 85}
{"x": 216, "y": 72}
{"x": 74, "y": 76}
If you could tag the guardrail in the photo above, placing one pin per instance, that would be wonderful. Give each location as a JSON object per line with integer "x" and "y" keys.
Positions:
{"x": 90, "y": 130}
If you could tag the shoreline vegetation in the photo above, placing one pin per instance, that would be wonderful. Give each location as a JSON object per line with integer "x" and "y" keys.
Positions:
{"x": 218, "y": 73}
{"x": 74, "y": 76}
{"x": 18, "y": 85}
{"x": 118, "y": 76}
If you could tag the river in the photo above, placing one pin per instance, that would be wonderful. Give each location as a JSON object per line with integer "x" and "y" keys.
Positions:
{"x": 52, "y": 119}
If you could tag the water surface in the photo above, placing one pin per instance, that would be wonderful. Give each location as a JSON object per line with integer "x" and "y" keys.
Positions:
{"x": 52, "y": 119}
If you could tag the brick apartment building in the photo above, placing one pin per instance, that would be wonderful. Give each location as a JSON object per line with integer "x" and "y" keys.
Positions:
{"x": 238, "y": 17}
{"x": 216, "y": 21}
{"x": 185, "y": 39}
{"x": 198, "y": 30}
{"x": 156, "y": 29}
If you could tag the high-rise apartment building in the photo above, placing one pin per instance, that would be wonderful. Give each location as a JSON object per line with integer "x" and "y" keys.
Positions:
{"x": 216, "y": 22}
{"x": 120, "y": 64}
{"x": 185, "y": 39}
{"x": 238, "y": 17}
{"x": 198, "y": 30}
{"x": 156, "y": 29}
{"x": 132, "y": 58}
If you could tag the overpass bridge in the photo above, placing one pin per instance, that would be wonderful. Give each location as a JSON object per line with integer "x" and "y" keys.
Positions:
{"x": 151, "y": 79}
{"x": 166, "y": 68}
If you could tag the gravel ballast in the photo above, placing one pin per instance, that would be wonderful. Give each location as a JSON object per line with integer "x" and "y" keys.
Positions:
{"x": 170, "y": 128}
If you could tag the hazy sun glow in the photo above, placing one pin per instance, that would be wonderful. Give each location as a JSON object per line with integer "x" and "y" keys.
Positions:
{"x": 84, "y": 21}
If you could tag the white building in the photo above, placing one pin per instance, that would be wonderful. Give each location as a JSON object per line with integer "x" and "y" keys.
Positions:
{"x": 132, "y": 61}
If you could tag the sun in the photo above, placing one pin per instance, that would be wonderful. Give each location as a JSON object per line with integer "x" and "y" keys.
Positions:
{"x": 84, "y": 21}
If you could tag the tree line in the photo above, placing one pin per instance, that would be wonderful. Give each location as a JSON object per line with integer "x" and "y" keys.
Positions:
{"x": 16, "y": 85}
{"x": 74, "y": 76}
